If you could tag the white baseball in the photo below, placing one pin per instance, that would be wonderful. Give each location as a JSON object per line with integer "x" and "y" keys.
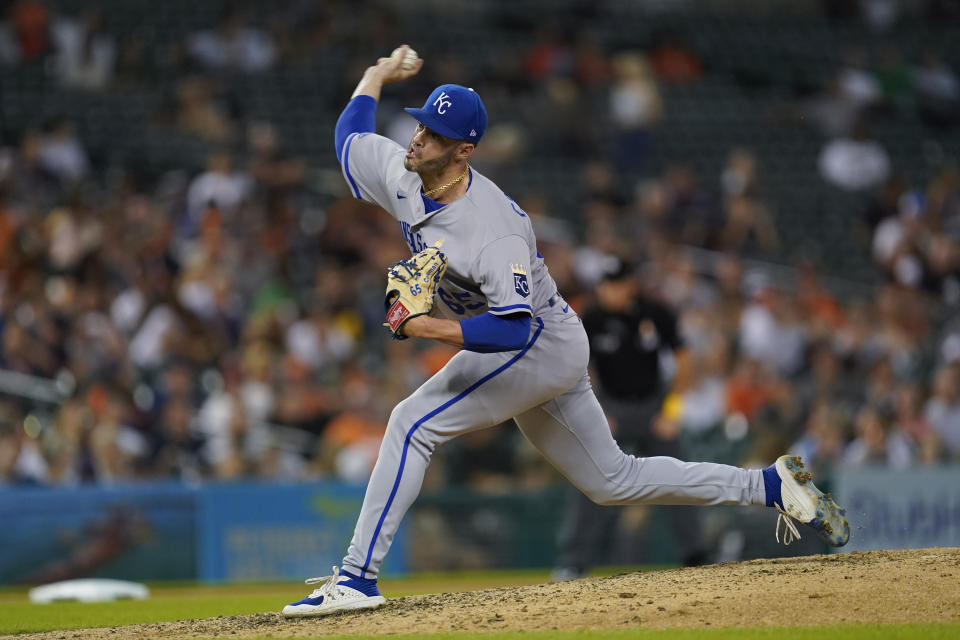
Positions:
{"x": 409, "y": 59}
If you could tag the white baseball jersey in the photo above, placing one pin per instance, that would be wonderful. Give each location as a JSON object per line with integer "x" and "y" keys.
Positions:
{"x": 493, "y": 265}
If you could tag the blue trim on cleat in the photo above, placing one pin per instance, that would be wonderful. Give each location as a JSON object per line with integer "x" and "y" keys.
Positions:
{"x": 341, "y": 591}
{"x": 366, "y": 586}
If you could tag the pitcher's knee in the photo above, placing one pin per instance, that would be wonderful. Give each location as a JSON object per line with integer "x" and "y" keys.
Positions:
{"x": 615, "y": 482}
{"x": 603, "y": 495}
{"x": 400, "y": 422}
{"x": 405, "y": 422}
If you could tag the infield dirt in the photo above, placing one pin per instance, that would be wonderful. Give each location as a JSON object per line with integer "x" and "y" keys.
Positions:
{"x": 850, "y": 588}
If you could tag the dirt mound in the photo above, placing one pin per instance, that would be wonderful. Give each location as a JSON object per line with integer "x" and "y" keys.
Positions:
{"x": 876, "y": 587}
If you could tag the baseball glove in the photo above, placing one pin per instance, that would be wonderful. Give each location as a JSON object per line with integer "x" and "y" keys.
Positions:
{"x": 411, "y": 285}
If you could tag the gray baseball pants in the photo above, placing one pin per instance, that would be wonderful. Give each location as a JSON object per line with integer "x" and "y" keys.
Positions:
{"x": 545, "y": 388}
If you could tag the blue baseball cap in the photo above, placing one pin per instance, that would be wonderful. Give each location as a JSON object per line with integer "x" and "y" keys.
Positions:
{"x": 453, "y": 111}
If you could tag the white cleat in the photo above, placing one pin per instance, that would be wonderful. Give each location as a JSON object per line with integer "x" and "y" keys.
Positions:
{"x": 801, "y": 500}
{"x": 339, "y": 592}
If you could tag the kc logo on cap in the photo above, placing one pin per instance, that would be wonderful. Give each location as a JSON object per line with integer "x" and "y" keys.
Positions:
{"x": 442, "y": 102}
{"x": 453, "y": 111}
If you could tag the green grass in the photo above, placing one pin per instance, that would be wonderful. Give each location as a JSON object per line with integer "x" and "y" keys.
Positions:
{"x": 861, "y": 632}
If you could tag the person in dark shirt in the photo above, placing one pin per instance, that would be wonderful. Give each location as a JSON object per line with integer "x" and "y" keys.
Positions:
{"x": 631, "y": 338}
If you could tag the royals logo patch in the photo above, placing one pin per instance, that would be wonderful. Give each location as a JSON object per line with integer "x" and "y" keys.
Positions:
{"x": 520, "y": 283}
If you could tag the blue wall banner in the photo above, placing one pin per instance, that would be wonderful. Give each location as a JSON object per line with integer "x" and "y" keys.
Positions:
{"x": 255, "y": 532}
{"x": 908, "y": 509}
{"x": 174, "y": 532}
{"x": 143, "y": 533}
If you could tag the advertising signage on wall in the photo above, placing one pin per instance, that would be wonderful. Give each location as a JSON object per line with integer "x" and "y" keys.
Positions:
{"x": 174, "y": 532}
{"x": 907, "y": 509}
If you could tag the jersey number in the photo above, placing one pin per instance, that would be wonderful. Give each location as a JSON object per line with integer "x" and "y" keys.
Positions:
{"x": 458, "y": 302}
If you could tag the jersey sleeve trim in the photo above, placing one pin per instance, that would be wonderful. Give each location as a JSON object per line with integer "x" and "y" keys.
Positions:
{"x": 512, "y": 308}
{"x": 346, "y": 165}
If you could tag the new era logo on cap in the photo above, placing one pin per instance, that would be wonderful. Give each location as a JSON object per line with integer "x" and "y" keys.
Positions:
{"x": 453, "y": 111}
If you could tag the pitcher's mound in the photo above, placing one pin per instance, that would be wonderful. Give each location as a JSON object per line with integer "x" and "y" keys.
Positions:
{"x": 849, "y": 588}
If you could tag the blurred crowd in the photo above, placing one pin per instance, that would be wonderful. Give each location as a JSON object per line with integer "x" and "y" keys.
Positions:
{"x": 226, "y": 323}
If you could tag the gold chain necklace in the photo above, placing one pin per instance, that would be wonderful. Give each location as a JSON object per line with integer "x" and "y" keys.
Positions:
{"x": 449, "y": 184}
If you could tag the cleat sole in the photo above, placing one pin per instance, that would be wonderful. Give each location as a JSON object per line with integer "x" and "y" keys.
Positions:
{"x": 830, "y": 521}
{"x": 317, "y": 612}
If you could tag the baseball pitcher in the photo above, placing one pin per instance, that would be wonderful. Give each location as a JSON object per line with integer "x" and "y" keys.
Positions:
{"x": 523, "y": 350}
